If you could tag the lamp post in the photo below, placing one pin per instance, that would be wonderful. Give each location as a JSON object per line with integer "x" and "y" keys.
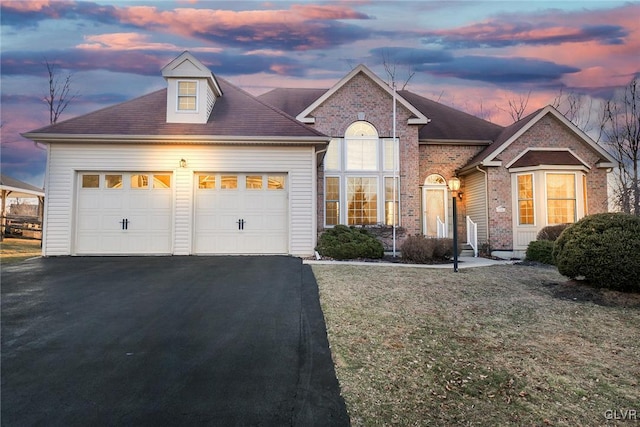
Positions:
{"x": 454, "y": 186}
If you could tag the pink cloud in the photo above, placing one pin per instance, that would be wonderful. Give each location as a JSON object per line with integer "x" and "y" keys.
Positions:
{"x": 301, "y": 26}
{"x": 123, "y": 41}
{"x": 30, "y": 6}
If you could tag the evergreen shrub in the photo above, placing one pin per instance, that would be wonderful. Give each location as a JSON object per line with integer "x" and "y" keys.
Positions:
{"x": 602, "y": 248}
{"x": 342, "y": 242}
{"x": 540, "y": 251}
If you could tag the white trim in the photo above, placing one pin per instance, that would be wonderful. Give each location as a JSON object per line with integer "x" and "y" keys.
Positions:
{"x": 305, "y": 116}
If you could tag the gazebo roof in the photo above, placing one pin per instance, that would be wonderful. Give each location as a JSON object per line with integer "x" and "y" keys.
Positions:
{"x": 15, "y": 188}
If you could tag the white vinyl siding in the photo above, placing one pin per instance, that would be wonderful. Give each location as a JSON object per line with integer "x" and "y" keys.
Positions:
{"x": 65, "y": 160}
{"x": 475, "y": 194}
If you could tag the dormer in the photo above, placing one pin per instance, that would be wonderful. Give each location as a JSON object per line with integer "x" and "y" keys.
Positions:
{"x": 192, "y": 90}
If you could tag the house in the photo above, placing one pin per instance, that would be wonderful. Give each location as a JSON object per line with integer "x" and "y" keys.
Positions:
{"x": 203, "y": 167}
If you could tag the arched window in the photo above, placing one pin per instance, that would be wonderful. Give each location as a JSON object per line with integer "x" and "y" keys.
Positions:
{"x": 435, "y": 179}
{"x": 359, "y": 179}
{"x": 359, "y": 129}
{"x": 361, "y": 140}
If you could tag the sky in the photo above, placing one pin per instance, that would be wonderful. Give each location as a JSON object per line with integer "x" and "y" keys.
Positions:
{"x": 473, "y": 55}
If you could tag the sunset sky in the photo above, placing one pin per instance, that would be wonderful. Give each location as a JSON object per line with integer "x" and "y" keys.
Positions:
{"x": 473, "y": 55}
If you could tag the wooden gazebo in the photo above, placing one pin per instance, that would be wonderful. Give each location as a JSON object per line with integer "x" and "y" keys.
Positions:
{"x": 13, "y": 188}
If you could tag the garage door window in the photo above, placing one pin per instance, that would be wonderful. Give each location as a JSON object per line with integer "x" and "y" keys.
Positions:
{"x": 207, "y": 182}
{"x": 113, "y": 181}
{"x": 253, "y": 182}
{"x": 229, "y": 182}
{"x": 276, "y": 182}
{"x": 161, "y": 181}
{"x": 90, "y": 181}
{"x": 139, "y": 181}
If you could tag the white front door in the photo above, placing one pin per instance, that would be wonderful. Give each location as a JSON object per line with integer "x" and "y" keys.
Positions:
{"x": 434, "y": 207}
{"x": 124, "y": 213}
{"x": 241, "y": 213}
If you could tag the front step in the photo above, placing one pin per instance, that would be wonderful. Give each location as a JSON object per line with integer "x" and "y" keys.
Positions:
{"x": 467, "y": 250}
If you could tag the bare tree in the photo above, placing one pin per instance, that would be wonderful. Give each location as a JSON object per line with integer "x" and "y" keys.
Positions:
{"x": 390, "y": 69}
{"x": 579, "y": 109}
{"x": 517, "y": 107}
{"x": 620, "y": 132}
{"x": 59, "y": 96}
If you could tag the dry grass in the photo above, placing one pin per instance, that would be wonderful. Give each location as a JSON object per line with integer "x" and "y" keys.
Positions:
{"x": 501, "y": 345}
{"x": 16, "y": 250}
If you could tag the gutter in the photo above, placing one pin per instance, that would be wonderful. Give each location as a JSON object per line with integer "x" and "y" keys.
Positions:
{"x": 175, "y": 139}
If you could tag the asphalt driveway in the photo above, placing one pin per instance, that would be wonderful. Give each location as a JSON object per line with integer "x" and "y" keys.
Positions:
{"x": 165, "y": 341}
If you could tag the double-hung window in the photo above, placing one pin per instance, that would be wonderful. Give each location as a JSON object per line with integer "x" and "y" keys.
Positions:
{"x": 525, "y": 199}
{"x": 187, "y": 95}
{"x": 561, "y": 198}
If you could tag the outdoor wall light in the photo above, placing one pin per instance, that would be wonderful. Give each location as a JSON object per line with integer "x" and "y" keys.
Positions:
{"x": 183, "y": 163}
{"x": 460, "y": 193}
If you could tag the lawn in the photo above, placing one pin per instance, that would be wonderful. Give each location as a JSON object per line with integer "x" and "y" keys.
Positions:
{"x": 16, "y": 250}
{"x": 500, "y": 345}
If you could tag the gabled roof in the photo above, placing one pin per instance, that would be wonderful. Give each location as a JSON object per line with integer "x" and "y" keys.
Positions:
{"x": 236, "y": 116}
{"x": 449, "y": 124}
{"x": 532, "y": 157}
{"x": 306, "y": 117}
{"x": 488, "y": 157}
{"x": 446, "y": 124}
{"x": 187, "y": 66}
{"x": 19, "y": 189}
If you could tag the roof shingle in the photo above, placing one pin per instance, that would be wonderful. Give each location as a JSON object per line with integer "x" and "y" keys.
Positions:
{"x": 235, "y": 114}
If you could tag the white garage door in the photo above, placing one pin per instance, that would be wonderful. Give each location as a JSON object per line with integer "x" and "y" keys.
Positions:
{"x": 124, "y": 213}
{"x": 241, "y": 213}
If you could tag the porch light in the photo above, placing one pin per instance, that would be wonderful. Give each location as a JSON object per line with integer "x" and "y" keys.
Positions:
{"x": 454, "y": 183}
{"x": 183, "y": 163}
{"x": 454, "y": 186}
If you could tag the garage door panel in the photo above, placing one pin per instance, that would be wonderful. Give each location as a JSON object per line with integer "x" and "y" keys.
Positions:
{"x": 264, "y": 211}
{"x": 112, "y": 199}
{"x": 147, "y": 212}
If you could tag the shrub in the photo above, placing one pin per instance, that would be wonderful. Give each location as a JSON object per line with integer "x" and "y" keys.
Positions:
{"x": 423, "y": 250}
{"x": 604, "y": 249}
{"x": 418, "y": 249}
{"x": 540, "y": 251}
{"x": 551, "y": 232}
{"x": 342, "y": 242}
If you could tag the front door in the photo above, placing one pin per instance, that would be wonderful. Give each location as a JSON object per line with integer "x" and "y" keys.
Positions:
{"x": 434, "y": 207}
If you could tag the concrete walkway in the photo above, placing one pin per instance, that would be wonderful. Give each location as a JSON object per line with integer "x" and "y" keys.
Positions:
{"x": 463, "y": 262}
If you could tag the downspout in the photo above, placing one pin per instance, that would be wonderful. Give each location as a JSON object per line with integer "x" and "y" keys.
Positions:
{"x": 486, "y": 205}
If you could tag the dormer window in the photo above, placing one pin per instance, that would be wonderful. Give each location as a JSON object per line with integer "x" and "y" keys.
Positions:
{"x": 192, "y": 90}
{"x": 187, "y": 95}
